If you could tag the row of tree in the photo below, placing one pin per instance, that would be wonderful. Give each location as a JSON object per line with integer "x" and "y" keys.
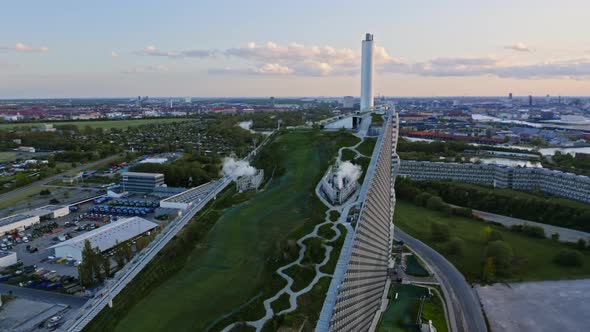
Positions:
{"x": 535, "y": 208}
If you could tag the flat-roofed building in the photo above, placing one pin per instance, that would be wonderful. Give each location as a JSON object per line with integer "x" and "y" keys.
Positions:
{"x": 105, "y": 237}
{"x": 18, "y": 222}
{"x": 141, "y": 182}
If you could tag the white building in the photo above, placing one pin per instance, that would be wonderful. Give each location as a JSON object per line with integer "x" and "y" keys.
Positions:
{"x": 367, "y": 69}
{"x": 186, "y": 199}
{"x": 337, "y": 190}
{"x": 552, "y": 182}
{"x": 18, "y": 222}
{"x": 51, "y": 211}
{"x": 249, "y": 182}
{"x": 7, "y": 258}
{"x": 105, "y": 237}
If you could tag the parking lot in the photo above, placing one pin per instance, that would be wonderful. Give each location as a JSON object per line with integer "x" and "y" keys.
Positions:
{"x": 33, "y": 244}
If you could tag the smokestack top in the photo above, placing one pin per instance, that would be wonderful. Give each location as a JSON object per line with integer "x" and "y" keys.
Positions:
{"x": 369, "y": 37}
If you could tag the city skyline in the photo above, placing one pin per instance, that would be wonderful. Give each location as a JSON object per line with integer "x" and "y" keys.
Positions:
{"x": 286, "y": 50}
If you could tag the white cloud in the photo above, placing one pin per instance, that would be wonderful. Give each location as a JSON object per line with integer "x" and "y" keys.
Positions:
{"x": 519, "y": 47}
{"x": 114, "y": 54}
{"x": 20, "y": 47}
{"x": 577, "y": 68}
{"x": 145, "y": 69}
{"x": 152, "y": 50}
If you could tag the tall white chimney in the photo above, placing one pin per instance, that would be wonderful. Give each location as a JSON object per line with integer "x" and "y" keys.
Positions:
{"x": 367, "y": 68}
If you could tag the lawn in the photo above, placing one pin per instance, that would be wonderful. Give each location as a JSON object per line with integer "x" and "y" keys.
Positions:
{"x": 227, "y": 268}
{"x": 104, "y": 124}
{"x": 434, "y": 310}
{"x": 533, "y": 257}
{"x": 24, "y": 195}
{"x": 367, "y": 146}
{"x": 401, "y": 313}
{"x": 7, "y": 156}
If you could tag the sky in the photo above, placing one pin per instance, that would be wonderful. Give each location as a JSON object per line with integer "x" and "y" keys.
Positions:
{"x": 259, "y": 48}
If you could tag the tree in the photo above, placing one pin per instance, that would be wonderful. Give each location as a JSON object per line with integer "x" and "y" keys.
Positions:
{"x": 456, "y": 247}
{"x": 106, "y": 266}
{"x": 485, "y": 234}
{"x": 435, "y": 203}
{"x": 569, "y": 257}
{"x": 127, "y": 251}
{"x": 440, "y": 232}
{"x": 422, "y": 198}
{"x": 489, "y": 270}
{"x": 87, "y": 268}
{"x": 502, "y": 254}
{"x": 20, "y": 180}
{"x": 581, "y": 244}
{"x": 555, "y": 236}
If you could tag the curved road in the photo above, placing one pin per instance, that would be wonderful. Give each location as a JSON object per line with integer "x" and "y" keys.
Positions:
{"x": 464, "y": 304}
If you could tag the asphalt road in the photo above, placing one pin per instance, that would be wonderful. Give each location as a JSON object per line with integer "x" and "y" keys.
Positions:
{"x": 43, "y": 296}
{"x": 465, "y": 306}
{"x": 57, "y": 176}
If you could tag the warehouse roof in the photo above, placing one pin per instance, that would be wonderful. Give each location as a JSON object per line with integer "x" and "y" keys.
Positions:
{"x": 15, "y": 218}
{"x": 107, "y": 236}
{"x": 145, "y": 175}
{"x": 192, "y": 194}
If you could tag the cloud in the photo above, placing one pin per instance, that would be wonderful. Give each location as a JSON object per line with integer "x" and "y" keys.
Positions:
{"x": 145, "y": 69}
{"x": 152, "y": 50}
{"x": 519, "y": 47}
{"x": 20, "y": 47}
{"x": 577, "y": 68}
{"x": 114, "y": 54}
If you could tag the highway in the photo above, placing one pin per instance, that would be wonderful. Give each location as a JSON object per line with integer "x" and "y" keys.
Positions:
{"x": 462, "y": 302}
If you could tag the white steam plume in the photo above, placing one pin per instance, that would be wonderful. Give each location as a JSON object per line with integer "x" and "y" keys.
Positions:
{"x": 236, "y": 168}
{"x": 349, "y": 171}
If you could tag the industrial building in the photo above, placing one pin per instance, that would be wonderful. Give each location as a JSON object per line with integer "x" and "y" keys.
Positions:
{"x": 552, "y": 182}
{"x": 367, "y": 69}
{"x": 50, "y": 211}
{"x": 18, "y": 222}
{"x": 186, "y": 199}
{"x": 7, "y": 258}
{"x": 338, "y": 189}
{"x": 250, "y": 182}
{"x": 141, "y": 182}
{"x": 105, "y": 237}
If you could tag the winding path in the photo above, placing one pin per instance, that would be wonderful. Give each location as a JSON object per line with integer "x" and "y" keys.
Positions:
{"x": 293, "y": 295}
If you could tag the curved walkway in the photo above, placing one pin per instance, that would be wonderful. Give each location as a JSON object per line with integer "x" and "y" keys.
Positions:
{"x": 343, "y": 211}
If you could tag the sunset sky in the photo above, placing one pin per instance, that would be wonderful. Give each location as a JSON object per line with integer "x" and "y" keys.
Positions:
{"x": 292, "y": 48}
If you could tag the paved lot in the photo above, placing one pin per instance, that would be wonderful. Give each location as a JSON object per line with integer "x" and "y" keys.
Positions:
{"x": 25, "y": 315}
{"x": 550, "y": 306}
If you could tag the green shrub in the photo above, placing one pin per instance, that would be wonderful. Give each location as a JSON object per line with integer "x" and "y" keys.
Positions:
{"x": 569, "y": 257}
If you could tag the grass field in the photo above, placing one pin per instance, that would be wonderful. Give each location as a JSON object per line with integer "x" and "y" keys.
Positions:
{"x": 7, "y": 156}
{"x": 227, "y": 269}
{"x": 433, "y": 310}
{"x": 533, "y": 257}
{"x": 24, "y": 195}
{"x": 104, "y": 124}
{"x": 367, "y": 146}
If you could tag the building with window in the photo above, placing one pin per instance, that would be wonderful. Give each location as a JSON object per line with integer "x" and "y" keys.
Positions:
{"x": 141, "y": 182}
{"x": 568, "y": 185}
